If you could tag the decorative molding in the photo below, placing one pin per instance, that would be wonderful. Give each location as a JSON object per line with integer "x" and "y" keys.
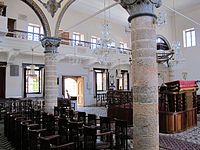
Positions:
{"x": 50, "y": 44}
{"x": 61, "y": 16}
{"x": 41, "y": 15}
{"x": 138, "y": 8}
{"x": 52, "y": 6}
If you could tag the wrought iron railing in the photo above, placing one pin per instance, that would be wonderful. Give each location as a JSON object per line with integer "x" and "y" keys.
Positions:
{"x": 162, "y": 57}
{"x": 66, "y": 41}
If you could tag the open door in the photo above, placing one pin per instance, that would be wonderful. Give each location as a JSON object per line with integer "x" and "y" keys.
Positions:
{"x": 75, "y": 87}
{"x": 80, "y": 92}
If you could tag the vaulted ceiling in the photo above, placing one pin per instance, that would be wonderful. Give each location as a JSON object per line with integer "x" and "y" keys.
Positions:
{"x": 92, "y": 6}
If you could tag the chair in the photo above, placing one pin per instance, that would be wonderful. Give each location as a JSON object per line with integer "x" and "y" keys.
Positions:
{"x": 16, "y": 138}
{"x": 105, "y": 126}
{"x": 37, "y": 117}
{"x": 82, "y": 117}
{"x": 76, "y": 133}
{"x": 25, "y": 126}
{"x": 56, "y": 111}
{"x": 121, "y": 136}
{"x": 48, "y": 122}
{"x": 92, "y": 120}
{"x": 34, "y": 136}
{"x": 63, "y": 112}
{"x": 70, "y": 114}
{"x": 63, "y": 130}
{"x": 52, "y": 143}
{"x": 92, "y": 142}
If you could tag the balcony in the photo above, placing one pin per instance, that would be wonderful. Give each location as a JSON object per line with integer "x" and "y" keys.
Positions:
{"x": 3, "y": 25}
{"x": 71, "y": 49}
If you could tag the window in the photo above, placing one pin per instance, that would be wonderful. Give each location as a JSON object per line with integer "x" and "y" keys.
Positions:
{"x": 93, "y": 42}
{"x": 189, "y": 38}
{"x": 162, "y": 43}
{"x": 101, "y": 79}
{"x": 33, "y": 83}
{"x": 123, "y": 80}
{"x": 76, "y": 38}
{"x": 34, "y": 32}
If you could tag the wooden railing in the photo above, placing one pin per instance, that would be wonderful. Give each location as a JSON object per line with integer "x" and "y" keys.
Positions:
{"x": 101, "y": 99}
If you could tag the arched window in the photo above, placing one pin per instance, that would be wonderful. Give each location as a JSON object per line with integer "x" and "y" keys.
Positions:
{"x": 164, "y": 51}
{"x": 162, "y": 43}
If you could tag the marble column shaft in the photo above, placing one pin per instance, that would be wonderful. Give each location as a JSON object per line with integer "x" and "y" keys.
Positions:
{"x": 50, "y": 45}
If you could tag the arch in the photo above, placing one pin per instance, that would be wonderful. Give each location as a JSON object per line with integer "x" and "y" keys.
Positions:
{"x": 166, "y": 42}
{"x": 61, "y": 16}
{"x": 41, "y": 15}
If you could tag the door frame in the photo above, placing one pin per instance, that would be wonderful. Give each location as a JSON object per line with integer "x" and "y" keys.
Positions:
{"x": 3, "y": 65}
{"x": 76, "y": 78}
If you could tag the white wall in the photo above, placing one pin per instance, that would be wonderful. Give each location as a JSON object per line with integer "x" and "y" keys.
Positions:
{"x": 92, "y": 27}
{"x": 15, "y": 9}
{"x": 64, "y": 69}
{"x": 191, "y": 54}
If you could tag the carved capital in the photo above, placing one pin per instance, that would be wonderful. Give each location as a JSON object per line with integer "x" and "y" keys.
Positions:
{"x": 138, "y": 8}
{"x": 50, "y": 44}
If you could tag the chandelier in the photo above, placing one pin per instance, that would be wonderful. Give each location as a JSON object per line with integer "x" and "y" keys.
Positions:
{"x": 176, "y": 45}
{"x": 102, "y": 51}
{"x": 32, "y": 67}
{"x": 161, "y": 18}
{"x": 118, "y": 71}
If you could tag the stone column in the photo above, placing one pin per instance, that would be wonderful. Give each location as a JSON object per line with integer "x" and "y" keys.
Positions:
{"x": 144, "y": 73}
{"x": 51, "y": 90}
{"x": 171, "y": 72}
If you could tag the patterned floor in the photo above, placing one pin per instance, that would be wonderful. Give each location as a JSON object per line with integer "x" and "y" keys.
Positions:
{"x": 175, "y": 144}
{"x": 4, "y": 144}
{"x": 187, "y": 140}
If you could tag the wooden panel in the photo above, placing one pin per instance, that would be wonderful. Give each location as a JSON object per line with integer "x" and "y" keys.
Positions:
{"x": 191, "y": 118}
{"x": 172, "y": 122}
{"x": 189, "y": 100}
{"x": 2, "y": 81}
{"x": 64, "y": 36}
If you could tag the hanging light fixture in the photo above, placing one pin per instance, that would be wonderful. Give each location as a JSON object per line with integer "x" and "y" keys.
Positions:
{"x": 32, "y": 67}
{"x": 118, "y": 71}
{"x": 104, "y": 44}
{"x": 176, "y": 45}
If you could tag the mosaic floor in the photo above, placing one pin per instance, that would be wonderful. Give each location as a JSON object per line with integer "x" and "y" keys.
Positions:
{"x": 187, "y": 140}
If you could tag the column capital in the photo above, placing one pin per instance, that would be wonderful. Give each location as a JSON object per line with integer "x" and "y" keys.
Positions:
{"x": 50, "y": 44}
{"x": 138, "y": 8}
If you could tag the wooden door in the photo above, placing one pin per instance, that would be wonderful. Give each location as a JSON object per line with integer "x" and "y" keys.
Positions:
{"x": 2, "y": 81}
{"x": 64, "y": 36}
{"x": 80, "y": 94}
{"x": 11, "y": 26}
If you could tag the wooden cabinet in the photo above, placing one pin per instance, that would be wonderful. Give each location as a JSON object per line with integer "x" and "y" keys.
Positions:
{"x": 177, "y": 106}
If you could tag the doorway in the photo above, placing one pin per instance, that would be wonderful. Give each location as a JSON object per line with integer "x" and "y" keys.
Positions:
{"x": 75, "y": 87}
{"x": 2, "y": 79}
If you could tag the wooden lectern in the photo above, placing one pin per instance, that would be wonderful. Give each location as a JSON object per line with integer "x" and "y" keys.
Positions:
{"x": 177, "y": 106}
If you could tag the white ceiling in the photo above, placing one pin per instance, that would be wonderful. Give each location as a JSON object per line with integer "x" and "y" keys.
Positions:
{"x": 120, "y": 15}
